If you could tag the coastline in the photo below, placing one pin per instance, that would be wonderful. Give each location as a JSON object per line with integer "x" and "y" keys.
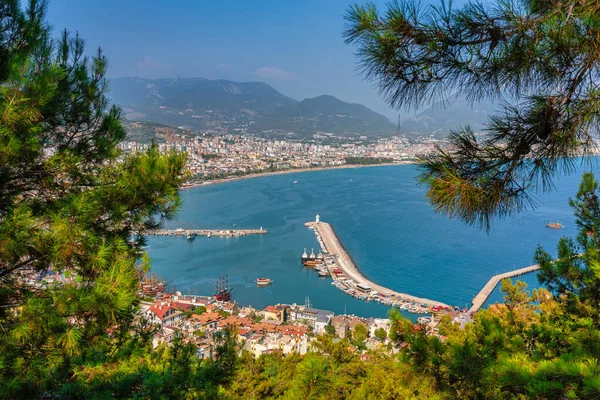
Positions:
{"x": 293, "y": 171}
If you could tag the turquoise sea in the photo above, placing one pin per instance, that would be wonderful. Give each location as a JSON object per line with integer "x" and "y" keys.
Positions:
{"x": 383, "y": 220}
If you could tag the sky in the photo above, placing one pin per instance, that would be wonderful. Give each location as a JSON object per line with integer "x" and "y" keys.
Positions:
{"x": 295, "y": 46}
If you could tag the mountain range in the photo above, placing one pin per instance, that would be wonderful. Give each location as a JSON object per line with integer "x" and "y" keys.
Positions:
{"x": 253, "y": 107}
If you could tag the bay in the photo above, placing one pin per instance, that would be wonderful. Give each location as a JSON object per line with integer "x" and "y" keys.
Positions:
{"x": 383, "y": 220}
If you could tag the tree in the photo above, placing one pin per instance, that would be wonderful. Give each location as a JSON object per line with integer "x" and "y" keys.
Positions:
{"x": 575, "y": 273}
{"x": 380, "y": 334}
{"x": 73, "y": 205}
{"x": 542, "y": 56}
{"x": 360, "y": 333}
{"x": 330, "y": 330}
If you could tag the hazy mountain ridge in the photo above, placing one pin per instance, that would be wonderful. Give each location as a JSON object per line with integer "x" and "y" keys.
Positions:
{"x": 440, "y": 118}
{"x": 199, "y": 103}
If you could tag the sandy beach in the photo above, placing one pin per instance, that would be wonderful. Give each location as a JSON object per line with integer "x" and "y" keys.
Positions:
{"x": 293, "y": 171}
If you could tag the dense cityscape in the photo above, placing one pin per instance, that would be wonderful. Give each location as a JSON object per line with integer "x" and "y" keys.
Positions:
{"x": 220, "y": 156}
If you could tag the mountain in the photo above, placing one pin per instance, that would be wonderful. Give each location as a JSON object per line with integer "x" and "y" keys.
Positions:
{"x": 254, "y": 107}
{"x": 440, "y": 118}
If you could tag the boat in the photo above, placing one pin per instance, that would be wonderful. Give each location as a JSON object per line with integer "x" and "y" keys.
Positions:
{"x": 554, "y": 225}
{"x": 222, "y": 289}
{"x": 311, "y": 260}
{"x": 295, "y": 182}
{"x": 263, "y": 281}
{"x": 304, "y": 256}
{"x": 324, "y": 274}
{"x": 209, "y": 235}
{"x": 190, "y": 237}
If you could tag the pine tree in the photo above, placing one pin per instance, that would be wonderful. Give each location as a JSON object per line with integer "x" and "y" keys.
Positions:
{"x": 541, "y": 56}
{"x": 71, "y": 203}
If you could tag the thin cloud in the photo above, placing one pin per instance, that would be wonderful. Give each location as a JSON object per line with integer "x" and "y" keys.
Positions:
{"x": 273, "y": 73}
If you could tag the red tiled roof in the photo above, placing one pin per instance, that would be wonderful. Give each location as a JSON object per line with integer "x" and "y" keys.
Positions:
{"x": 181, "y": 306}
{"x": 160, "y": 309}
{"x": 272, "y": 309}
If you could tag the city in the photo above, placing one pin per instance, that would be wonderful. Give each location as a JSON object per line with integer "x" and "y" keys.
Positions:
{"x": 212, "y": 157}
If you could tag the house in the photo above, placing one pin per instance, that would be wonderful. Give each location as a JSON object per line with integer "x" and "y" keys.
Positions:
{"x": 344, "y": 325}
{"x": 272, "y": 313}
{"x": 317, "y": 319}
{"x": 163, "y": 313}
{"x": 166, "y": 336}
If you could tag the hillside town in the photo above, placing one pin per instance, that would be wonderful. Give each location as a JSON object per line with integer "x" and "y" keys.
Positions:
{"x": 213, "y": 157}
{"x": 281, "y": 328}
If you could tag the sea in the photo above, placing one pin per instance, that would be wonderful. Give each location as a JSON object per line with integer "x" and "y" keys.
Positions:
{"x": 382, "y": 218}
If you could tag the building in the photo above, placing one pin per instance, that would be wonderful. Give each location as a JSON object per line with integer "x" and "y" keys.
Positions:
{"x": 317, "y": 319}
{"x": 163, "y": 313}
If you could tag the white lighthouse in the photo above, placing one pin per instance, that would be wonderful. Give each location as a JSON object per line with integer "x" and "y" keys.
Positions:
{"x": 317, "y": 219}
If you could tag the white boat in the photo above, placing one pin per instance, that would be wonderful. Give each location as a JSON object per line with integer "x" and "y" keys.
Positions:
{"x": 295, "y": 182}
{"x": 263, "y": 281}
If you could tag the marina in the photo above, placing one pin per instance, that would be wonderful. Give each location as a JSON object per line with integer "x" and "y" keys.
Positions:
{"x": 337, "y": 263}
{"x": 191, "y": 234}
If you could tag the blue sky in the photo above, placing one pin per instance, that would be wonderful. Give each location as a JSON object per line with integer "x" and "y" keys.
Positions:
{"x": 295, "y": 46}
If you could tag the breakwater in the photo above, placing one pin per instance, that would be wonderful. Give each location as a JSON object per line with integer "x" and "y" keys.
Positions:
{"x": 207, "y": 232}
{"x": 331, "y": 246}
{"x": 489, "y": 287}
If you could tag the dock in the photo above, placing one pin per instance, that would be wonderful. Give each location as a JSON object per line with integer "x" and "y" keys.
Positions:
{"x": 207, "y": 232}
{"x": 487, "y": 290}
{"x": 331, "y": 245}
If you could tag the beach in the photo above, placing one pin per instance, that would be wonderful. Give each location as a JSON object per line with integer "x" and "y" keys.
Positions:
{"x": 293, "y": 171}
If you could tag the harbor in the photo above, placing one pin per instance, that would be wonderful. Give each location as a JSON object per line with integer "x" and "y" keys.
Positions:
{"x": 335, "y": 262}
{"x": 191, "y": 233}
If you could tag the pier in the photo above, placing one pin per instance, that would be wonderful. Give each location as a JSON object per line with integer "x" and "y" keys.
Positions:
{"x": 487, "y": 290}
{"x": 331, "y": 245}
{"x": 207, "y": 232}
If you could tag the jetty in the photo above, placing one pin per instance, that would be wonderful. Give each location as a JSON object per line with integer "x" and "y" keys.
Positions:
{"x": 489, "y": 287}
{"x": 206, "y": 232}
{"x": 331, "y": 245}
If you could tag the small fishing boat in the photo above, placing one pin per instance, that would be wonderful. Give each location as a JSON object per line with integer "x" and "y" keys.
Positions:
{"x": 191, "y": 237}
{"x": 554, "y": 225}
{"x": 263, "y": 281}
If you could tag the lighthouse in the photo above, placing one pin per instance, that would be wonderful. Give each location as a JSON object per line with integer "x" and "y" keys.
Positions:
{"x": 317, "y": 219}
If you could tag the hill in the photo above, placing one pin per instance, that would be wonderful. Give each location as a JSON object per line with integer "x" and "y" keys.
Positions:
{"x": 253, "y": 107}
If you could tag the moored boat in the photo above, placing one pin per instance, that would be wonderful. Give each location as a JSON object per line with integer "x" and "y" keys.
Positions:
{"x": 554, "y": 225}
{"x": 263, "y": 281}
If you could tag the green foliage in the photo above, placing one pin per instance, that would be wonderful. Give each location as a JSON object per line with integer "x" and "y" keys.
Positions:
{"x": 71, "y": 202}
{"x": 540, "y": 55}
{"x": 380, "y": 334}
{"x": 325, "y": 376}
{"x": 330, "y": 330}
{"x": 368, "y": 160}
{"x": 359, "y": 333}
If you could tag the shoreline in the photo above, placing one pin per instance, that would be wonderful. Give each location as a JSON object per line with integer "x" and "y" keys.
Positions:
{"x": 293, "y": 171}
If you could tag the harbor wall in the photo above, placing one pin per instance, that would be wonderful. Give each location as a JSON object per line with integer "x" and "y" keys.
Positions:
{"x": 334, "y": 247}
